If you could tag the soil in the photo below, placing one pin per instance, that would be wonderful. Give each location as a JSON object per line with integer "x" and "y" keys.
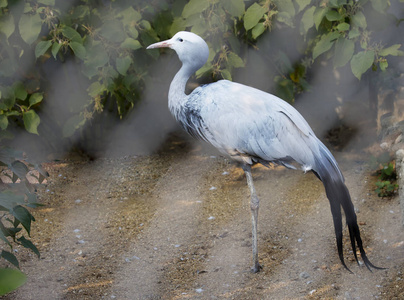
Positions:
{"x": 176, "y": 225}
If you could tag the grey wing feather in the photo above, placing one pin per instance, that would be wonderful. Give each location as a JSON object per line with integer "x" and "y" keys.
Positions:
{"x": 240, "y": 120}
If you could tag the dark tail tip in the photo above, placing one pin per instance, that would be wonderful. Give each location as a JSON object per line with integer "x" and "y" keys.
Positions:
{"x": 354, "y": 235}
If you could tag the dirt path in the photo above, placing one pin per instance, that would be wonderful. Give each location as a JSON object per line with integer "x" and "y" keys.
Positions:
{"x": 177, "y": 226}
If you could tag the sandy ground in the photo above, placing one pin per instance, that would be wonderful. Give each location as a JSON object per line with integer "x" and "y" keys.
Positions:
{"x": 176, "y": 225}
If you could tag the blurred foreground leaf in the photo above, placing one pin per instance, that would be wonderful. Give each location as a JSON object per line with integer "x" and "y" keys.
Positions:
{"x": 11, "y": 279}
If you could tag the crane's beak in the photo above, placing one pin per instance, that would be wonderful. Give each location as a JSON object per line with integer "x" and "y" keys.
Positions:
{"x": 163, "y": 44}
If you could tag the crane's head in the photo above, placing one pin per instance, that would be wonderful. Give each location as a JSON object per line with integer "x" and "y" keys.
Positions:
{"x": 191, "y": 48}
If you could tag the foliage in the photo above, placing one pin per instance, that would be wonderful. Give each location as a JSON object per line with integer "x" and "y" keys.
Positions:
{"x": 11, "y": 279}
{"x": 14, "y": 201}
{"x": 386, "y": 185}
{"x": 106, "y": 41}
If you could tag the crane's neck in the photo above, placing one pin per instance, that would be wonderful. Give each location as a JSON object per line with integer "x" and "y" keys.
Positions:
{"x": 176, "y": 94}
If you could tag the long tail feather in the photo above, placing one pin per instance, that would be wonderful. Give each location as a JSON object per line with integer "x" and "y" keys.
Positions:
{"x": 338, "y": 195}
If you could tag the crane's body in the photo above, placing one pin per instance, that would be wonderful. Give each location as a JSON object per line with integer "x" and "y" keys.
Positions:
{"x": 252, "y": 126}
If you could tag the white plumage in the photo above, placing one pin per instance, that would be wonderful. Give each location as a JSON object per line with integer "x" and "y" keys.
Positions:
{"x": 252, "y": 126}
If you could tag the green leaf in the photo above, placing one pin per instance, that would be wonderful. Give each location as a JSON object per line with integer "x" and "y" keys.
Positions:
{"x": 226, "y": 74}
{"x": 8, "y": 66}
{"x": 235, "y": 8}
{"x": 7, "y": 100}
{"x": 78, "y": 50}
{"x": 207, "y": 67}
{"x": 392, "y": 50}
{"x": 3, "y": 237}
{"x": 113, "y": 31}
{"x": 19, "y": 90}
{"x": 27, "y": 8}
{"x": 333, "y": 15}
{"x": 319, "y": 15}
{"x": 353, "y": 33}
{"x": 179, "y": 24}
{"x": 302, "y": 4}
{"x": 42, "y": 47}
{"x": 325, "y": 43}
{"x": 28, "y": 244}
{"x": 380, "y": 5}
{"x": 383, "y": 64}
{"x": 55, "y": 49}
{"x": 307, "y": 20}
{"x": 8, "y": 200}
{"x": 24, "y": 216}
{"x": 10, "y": 280}
{"x": 96, "y": 56}
{"x": 359, "y": 20}
{"x": 130, "y": 16}
{"x": 47, "y": 2}
{"x": 31, "y": 121}
{"x": 132, "y": 44}
{"x": 30, "y": 27}
{"x": 3, "y": 3}
{"x": 361, "y": 62}
{"x": 80, "y": 11}
{"x": 35, "y": 98}
{"x": 132, "y": 32}
{"x": 3, "y": 122}
{"x": 286, "y": 6}
{"x": 10, "y": 258}
{"x": 284, "y": 17}
{"x": 71, "y": 34}
{"x": 95, "y": 89}
{"x": 7, "y": 24}
{"x": 234, "y": 60}
{"x": 194, "y": 7}
{"x": 19, "y": 169}
{"x": 145, "y": 25}
{"x": 123, "y": 64}
{"x": 344, "y": 50}
{"x": 343, "y": 27}
{"x": 253, "y": 15}
{"x": 285, "y": 90}
{"x": 258, "y": 30}
{"x": 72, "y": 124}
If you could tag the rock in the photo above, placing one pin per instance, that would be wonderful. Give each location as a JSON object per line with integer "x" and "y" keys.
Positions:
{"x": 304, "y": 275}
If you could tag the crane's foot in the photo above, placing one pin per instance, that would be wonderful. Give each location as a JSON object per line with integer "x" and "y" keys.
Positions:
{"x": 256, "y": 268}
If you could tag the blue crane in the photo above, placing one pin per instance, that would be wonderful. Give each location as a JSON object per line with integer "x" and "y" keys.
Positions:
{"x": 251, "y": 126}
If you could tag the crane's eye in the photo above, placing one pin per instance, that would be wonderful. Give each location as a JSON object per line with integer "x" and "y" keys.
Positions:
{"x": 180, "y": 39}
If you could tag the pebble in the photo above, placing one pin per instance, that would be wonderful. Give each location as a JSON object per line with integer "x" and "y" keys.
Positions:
{"x": 225, "y": 173}
{"x": 304, "y": 275}
{"x": 78, "y": 201}
{"x": 199, "y": 290}
{"x": 213, "y": 188}
{"x": 211, "y": 218}
{"x": 76, "y": 230}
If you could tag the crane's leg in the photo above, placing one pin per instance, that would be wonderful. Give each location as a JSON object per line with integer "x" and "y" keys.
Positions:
{"x": 254, "y": 205}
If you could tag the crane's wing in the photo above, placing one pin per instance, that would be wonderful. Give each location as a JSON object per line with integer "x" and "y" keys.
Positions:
{"x": 247, "y": 123}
